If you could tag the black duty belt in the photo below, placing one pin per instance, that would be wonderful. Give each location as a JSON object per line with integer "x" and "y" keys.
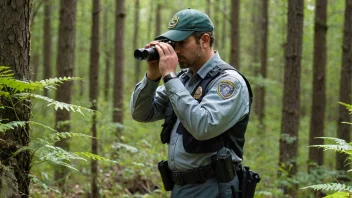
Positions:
{"x": 193, "y": 176}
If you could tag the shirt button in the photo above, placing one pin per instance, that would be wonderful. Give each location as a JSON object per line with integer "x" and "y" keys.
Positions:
{"x": 172, "y": 159}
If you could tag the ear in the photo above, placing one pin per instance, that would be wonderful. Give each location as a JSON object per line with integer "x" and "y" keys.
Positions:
{"x": 205, "y": 40}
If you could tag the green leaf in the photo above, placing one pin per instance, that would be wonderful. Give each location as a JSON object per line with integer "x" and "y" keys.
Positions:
{"x": 42, "y": 184}
{"x": 11, "y": 125}
{"x": 94, "y": 157}
{"x": 57, "y": 105}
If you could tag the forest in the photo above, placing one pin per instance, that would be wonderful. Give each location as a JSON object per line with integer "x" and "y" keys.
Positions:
{"x": 67, "y": 73}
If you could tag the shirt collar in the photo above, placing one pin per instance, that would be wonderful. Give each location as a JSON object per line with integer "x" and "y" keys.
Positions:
{"x": 210, "y": 64}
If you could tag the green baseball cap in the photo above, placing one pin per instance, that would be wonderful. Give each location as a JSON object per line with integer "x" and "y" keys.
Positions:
{"x": 185, "y": 22}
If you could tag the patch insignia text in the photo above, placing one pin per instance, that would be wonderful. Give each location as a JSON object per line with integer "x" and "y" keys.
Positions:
{"x": 226, "y": 89}
{"x": 173, "y": 22}
{"x": 198, "y": 93}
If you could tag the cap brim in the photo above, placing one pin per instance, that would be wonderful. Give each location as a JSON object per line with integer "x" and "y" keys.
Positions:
{"x": 175, "y": 35}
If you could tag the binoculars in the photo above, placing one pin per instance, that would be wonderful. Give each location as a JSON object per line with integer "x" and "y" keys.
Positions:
{"x": 151, "y": 53}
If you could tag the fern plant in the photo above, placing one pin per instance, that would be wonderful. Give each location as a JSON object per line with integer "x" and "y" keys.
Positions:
{"x": 341, "y": 146}
{"x": 42, "y": 150}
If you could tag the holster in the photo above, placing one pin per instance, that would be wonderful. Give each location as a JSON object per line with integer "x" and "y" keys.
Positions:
{"x": 248, "y": 181}
{"x": 166, "y": 177}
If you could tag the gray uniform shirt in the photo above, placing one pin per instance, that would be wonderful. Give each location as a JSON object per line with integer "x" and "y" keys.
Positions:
{"x": 218, "y": 111}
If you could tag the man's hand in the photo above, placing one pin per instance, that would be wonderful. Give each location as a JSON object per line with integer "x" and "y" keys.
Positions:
{"x": 153, "y": 72}
{"x": 168, "y": 58}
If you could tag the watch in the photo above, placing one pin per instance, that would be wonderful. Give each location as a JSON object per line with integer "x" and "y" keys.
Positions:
{"x": 170, "y": 76}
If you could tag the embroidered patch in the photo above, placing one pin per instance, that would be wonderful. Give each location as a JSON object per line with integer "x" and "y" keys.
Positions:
{"x": 173, "y": 22}
{"x": 226, "y": 89}
{"x": 198, "y": 93}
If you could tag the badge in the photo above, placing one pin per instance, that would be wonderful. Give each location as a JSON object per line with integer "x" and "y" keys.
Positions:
{"x": 198, "y": 93}
{"x": 226, "y": 89}
{"x": 173, "y": 22}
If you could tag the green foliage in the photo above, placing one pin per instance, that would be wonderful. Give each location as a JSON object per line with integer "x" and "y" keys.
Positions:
{"x": 42, "y": 184}
{"x": 340, "y": 146}
{"x": 42, "y": 149}
{"x": 331, "y": 186}
{"x": 10, "y": 125}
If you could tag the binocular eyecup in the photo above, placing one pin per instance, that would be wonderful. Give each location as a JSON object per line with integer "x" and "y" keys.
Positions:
{"x": 149, "y": 54}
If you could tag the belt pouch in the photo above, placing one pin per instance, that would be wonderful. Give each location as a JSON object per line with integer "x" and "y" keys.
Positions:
{"x": 165, "y": 173}
{"x": 224, "y": 169}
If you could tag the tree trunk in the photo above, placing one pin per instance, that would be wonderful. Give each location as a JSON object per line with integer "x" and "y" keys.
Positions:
{"x": 94, "y": 92}
{"x": 65, "y": 61}
{"x": 137, "y": 67}
{"x": 260, "y": 91}
{"x": 255, "y": 52}
{"x": 216, "y": 20}
{"x": 235, "y": 34}
{"x": 119, "y": 65}
{"x": 47, "y": 42}
{"x": 14, "y": 52}
{"x": 107, "y": 55}
{"x": 290, "y": 108}
{"x": 318, "y": 99}
{"x": 224, "y": 31}
{"x": 344, "y": 130}
{"x": 158, "y": 20}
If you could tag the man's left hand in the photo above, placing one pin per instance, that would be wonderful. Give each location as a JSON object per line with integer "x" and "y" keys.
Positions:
{"x": 168, "y": 58}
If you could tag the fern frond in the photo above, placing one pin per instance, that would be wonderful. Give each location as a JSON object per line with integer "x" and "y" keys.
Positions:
{"x": 337, "y": 140}
{"x": 348, "y": 106}
{"x": 62, "y": 135}
{"x": 94, "y": 157}
{"x": 58, "y": 156}
{"x": 339, "y": 148}
{"x": 57, "y": 104}
{"x": 53, "y": 82}
{"x": 331, "y": 186}
{"x": 6, "y": 72}
{"x": 11, "y": 125}
{"x": 42, "y": 184}
{"x": 18, "y": 86}
{"x": 4, "y": 93}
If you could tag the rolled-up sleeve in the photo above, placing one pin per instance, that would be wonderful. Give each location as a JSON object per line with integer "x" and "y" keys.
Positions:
{"x": 216, "y": 113}
{"x": 148, "y": 101}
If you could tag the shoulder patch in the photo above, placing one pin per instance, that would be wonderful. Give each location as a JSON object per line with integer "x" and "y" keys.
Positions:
{"x": 226, "y": 89}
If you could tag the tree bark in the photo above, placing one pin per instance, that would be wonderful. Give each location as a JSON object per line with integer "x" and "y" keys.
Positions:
{"x": 235, "y": 34}
{"x": 260, "y": 98}
{"x": 290, "y": 108}
{"x": 47, "y": 42}
{"x": 107, "y": 55}
{"x": 137, "y": 67}
{"x": 344, "y": 130}
{"x": 65, "y": 61}
{"x": 224, "y": 31}
{"x": 94, "y": 92}
{"x": 14, "y": 52}
{"x": 318, "y": 99}
{"x": 255, "y": 52}
{"x": 119, "y": 65}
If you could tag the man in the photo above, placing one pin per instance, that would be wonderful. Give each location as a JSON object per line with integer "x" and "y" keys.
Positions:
{"x": 205, "y": 106}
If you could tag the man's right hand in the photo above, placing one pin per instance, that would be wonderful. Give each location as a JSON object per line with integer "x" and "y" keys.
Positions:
{"x": 153, "y": 72}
